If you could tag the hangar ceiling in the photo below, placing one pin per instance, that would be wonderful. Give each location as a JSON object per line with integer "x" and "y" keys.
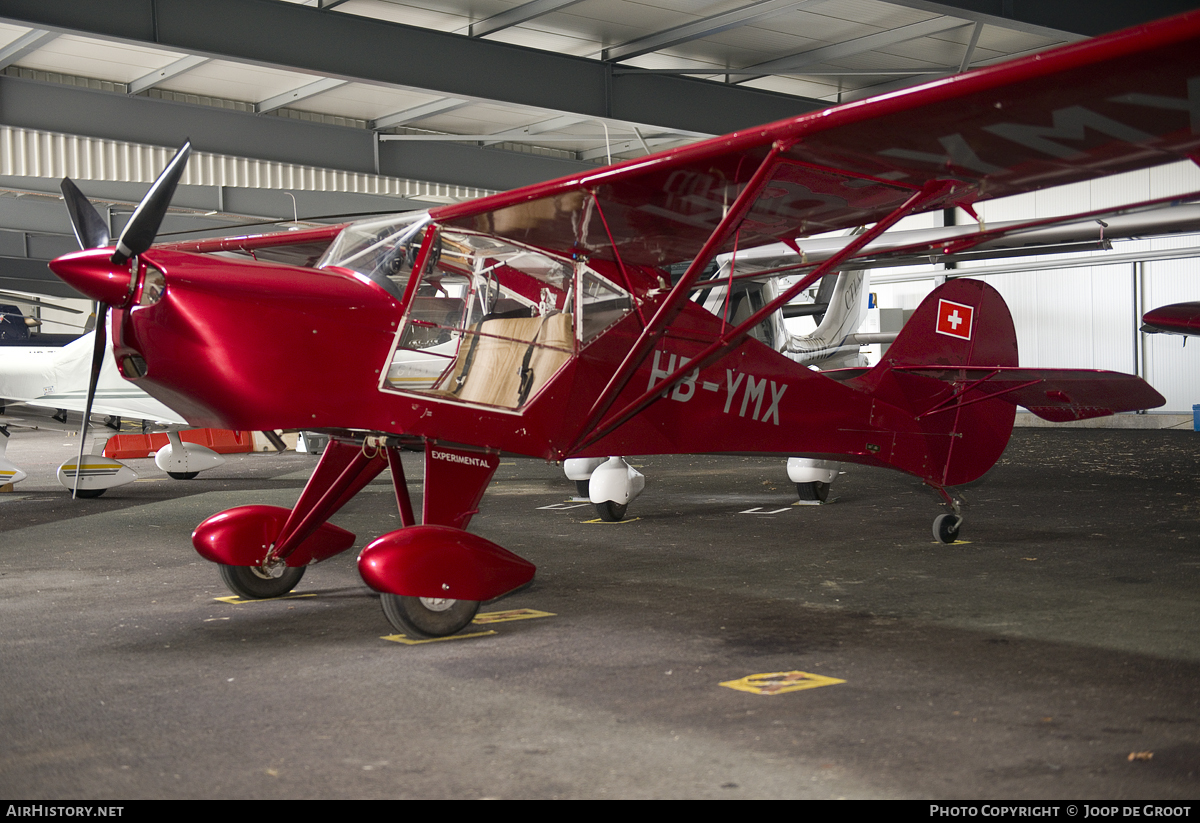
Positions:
{"x": 369, "y": 105}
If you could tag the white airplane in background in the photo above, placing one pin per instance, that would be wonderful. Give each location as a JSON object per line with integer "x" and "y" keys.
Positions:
{"x": 57, "y": 379}
{"x": 839, "y": 306}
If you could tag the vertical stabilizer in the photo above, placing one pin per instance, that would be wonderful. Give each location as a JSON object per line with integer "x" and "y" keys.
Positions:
{"x": 961, "y": 323}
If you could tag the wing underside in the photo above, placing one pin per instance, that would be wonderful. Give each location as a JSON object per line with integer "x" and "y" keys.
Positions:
{"x": 1107, "y": 105}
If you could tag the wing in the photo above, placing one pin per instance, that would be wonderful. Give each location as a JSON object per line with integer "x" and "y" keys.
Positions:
{"x": 301, "y": 247}
{"x": 58, "y": 379}
{"x": 1107, "y": 105}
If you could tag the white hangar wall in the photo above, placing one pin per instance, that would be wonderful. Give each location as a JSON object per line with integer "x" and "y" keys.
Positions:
{"x": 1088, "y": 317}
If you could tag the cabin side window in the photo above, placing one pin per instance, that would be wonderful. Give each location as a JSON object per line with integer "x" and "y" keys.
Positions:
{"x": 489, "y": 322}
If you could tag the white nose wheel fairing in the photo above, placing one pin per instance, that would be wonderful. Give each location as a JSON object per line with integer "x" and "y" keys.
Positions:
{"x": 183, "y": 461}
{"x": 613, "y": 486}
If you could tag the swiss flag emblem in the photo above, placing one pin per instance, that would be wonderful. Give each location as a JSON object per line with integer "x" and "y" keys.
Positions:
{"x": 955, "y": 319}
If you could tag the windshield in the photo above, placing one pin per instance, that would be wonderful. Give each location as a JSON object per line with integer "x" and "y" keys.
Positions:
{"x": 382, "y": 249}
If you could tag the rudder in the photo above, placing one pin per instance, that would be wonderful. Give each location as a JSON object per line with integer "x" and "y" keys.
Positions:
{"x": 962, "y": 432}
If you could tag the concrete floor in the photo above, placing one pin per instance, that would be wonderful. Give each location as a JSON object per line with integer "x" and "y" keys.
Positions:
{"x": 1030, "y": 662}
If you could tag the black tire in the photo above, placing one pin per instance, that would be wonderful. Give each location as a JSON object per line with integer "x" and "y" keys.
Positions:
{"x": 427, "y": 617}
{"x": 816, "y": 490}
{"x": 89, "y": 494}
{"x": 945, "y": 527}
{"x": 253, "y": 583}
{"x": 611, "y": 512}
{"x": 183, "y": 475}
{"x": 582, "y": 488}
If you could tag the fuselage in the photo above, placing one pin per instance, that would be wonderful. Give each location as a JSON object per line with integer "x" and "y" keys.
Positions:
{"x": 488, "y": 343}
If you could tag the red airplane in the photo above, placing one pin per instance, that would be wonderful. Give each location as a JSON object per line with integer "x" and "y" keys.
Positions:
{"x": 544, "y": 321}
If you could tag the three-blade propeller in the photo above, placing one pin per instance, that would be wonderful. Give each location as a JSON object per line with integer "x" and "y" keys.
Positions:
{"x": 137, "y": 236}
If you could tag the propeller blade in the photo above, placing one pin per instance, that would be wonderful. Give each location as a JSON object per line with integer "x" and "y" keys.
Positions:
{"x": 89, "y": 226}
{"x": 25, "y": 300}
{"x": 142, "y": 227}
{"x": 97, "y": 362}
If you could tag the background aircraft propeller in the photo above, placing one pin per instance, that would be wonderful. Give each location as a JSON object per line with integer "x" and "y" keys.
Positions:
{"x": 138, "y": 235}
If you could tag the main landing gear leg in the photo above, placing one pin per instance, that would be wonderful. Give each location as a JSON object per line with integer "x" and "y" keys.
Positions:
{"x": 262, "y": 551}
{"x": 946, "y": 526}
{"x": 431, "y": 578}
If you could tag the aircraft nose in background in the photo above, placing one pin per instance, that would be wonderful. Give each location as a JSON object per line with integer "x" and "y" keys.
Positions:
{"x": 92, "y": 272}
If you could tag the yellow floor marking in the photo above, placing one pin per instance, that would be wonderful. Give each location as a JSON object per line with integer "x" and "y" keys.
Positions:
{"x": 234, "y": 600}
{"x": 780, "y": 682}
{"x": 408, "y": 641}
{"x": 611, "y": 523}
{"x": 480, "y": 620}
{"x": 511, "y": 614}
{"x": 955, "y": 543}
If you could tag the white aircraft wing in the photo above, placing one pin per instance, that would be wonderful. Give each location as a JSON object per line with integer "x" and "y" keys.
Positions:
{"x": 57, "y": 378}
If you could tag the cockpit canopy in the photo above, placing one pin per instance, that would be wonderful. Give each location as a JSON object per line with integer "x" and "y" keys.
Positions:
{"x": 487, "y": 321}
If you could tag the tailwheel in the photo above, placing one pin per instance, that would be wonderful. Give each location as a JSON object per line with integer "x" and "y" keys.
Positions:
{"x": 815, "y": 490}
{"x": 257, "y": 583}
{"x": 611, "y": 512}
{"x": 428, "y": 617}
{"x": 945, "y": 527}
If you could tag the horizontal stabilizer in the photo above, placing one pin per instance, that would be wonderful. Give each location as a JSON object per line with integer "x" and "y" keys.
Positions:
{"x": 1058, "y": 395}
{"x": 1177, "y": 318}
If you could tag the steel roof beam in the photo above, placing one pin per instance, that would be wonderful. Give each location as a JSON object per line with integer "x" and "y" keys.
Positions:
{"x": 517, "y": 15}
{"x": 27, "y": 275}
{"x": 74, "y": 110}
{"x": 25, "y": 44}
{"x": 296, "y": 95}
{"x": 183, "y": 64}
{"x": 1063, "y": 19}
{"x": 792, "y": 64}
{"x": 553, "y": 124}
{"x": 970, "y": 52}
{"x": 884, "y": 88}
{"x": 420, "y": 112}
{"x": 490, "y": 137}
{"x": 332, "y": 43}
{"x": 698, "y": 29}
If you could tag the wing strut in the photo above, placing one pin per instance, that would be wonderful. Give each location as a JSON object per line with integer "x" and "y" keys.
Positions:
{"x": 344, "y": 470}
{"x": 617, "y": 254}
{"x": 931, "y": 191}
{"x": 670, "y": 308}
